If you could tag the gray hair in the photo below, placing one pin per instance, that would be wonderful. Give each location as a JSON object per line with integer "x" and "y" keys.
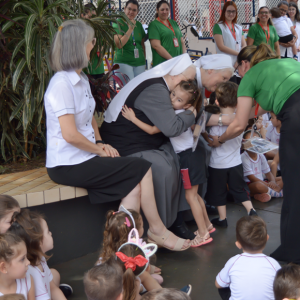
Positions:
{"x": 68, "y": 49}
{"x": 283, "y": 3}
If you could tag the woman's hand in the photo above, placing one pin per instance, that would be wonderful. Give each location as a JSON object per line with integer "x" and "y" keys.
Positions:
{"x": 128, "y": 113}
{"x": 106, "y": 150}
{"x": 213, "y": 141}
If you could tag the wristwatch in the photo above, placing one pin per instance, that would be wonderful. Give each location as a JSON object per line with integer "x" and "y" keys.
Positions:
{"x": 99, "y": 141}
{"x": 220, "y": 120}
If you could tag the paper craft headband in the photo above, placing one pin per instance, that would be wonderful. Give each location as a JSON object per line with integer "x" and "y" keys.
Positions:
{"x": 123, "y": 209}
{"x": 139, "y": 260}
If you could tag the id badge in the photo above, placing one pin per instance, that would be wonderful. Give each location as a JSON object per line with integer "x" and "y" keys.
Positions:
{"x": 237, "y": 47}
{"x": 176, "y": 44}
{"x": 136, "y": 53}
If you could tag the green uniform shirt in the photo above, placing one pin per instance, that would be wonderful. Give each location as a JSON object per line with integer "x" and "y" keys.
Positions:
{"x": 92, "y": 68}
{"x": 218, "y": 30}
{"x": 125, "y": 55}
{"x": 271, "y": 83}
{"x": 158, "y": 31}
{"x": 258, "y": 35}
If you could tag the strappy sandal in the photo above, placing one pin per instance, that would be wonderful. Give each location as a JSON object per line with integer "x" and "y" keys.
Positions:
{"x": 200, "y": 241}
{"x": 210, "y": 229}
{"x": 160, "y": 240}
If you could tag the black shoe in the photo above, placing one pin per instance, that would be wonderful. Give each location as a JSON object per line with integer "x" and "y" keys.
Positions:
{"x": 211, "y": 210}
{"x": 187, "y": 289}
{"x": 182, "y": 231}
{"x": 253, "y": 212}
{"x": 219, "y": 223}
{"x": 66, "y": 289}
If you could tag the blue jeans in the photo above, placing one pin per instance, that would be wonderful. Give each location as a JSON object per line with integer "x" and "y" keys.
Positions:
{"x": 130, "y": 71}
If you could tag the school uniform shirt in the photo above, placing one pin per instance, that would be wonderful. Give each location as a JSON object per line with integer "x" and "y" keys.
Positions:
{"x": 272, "y": 134}
{"x": 228, "y": 154}
{"x": 228, "y": 39}
{"x": 158, "y": 31}
{"x": 249, "y": 276}
{"x": 68, "y": 93}
{"x": 297, "y": 28}
{"x": 125, "y": 55}
{"x": 270, "y": 87}
{"x": 23, "y": 285}
{"x": 41, "y": 280}
{"x": 283, "y": 50}
{"x": 184, "y": 141}
{"x": 281, "y": 25}
{"x": 259, "y": 35}
{"x": 256, "y": 167}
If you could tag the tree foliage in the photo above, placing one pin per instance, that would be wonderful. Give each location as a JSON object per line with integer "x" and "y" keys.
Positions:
{"x": 26, "y": 31}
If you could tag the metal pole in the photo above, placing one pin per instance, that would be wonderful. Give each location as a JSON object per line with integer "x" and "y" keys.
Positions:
{"x": 119, "y": 4}
{"x": 253, "y": 3}
{"x": 172, "y": 10}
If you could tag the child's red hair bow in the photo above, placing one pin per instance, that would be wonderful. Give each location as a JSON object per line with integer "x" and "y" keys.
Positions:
{"x": 132, "y": 262}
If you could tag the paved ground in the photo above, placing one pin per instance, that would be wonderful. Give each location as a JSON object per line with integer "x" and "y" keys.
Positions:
{"x": 197, "y": 266}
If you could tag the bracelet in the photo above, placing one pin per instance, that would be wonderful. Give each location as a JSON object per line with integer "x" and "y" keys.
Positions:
{"x": 220, "y": 141}
{"x": 100, "y": 142}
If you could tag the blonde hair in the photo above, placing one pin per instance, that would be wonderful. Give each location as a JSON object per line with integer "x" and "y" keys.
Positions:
{"x": 68, "y": 48}
{"x": 256, "y": 54}
{"x": 12, "y": 297}
{"x": 165, "y": 294}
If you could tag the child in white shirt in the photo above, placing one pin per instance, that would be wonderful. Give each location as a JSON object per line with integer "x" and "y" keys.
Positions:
{"x": 273, "y": 134}
{"x": 285, "y": 32}
{"x": 225, "y": 167}
{"x": 249, "y": 275}
{"x": 254, "y": 166}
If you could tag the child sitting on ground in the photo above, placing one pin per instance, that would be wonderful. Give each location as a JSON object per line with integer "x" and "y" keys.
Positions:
{"x": 33, "y": 229}
{"x": 166, "y": 294}
{"x": 117, "y": 227}
{"x": 225, "y": 167}
{"x": 286, "y": 284}
{"x": 185, "y": 95}
{"x": 8, "y": 205}
{"x": 285, "y": 32}
{"x": 14, "y": 277}
{"x": 104, "y": 282}
{"x": 249, "y": 275}
{"x": 254, "y": 166}
{"x": 273, "y": 135}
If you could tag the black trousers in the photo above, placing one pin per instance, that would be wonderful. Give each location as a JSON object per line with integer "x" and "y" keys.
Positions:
{"x": 289, "y": 153}
{"x": 225, "y": 293}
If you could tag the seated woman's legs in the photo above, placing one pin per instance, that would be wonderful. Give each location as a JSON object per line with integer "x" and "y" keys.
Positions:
{"x": 148, "y": 205}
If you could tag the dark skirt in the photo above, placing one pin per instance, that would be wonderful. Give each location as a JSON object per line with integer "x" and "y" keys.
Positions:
{"x": 289, "y": 150}
{"x": 106, "y": 179}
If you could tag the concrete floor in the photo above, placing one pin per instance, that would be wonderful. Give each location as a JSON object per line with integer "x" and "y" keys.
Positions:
{"x": 196, "y": 266}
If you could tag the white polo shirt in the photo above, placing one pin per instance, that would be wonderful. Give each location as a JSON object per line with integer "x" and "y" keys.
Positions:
{"x": 249, "y": 276}
{"x": 256, "y": 167}
{"x": 289, "y": 49}
{"x": 272, "y": 134}
{"x": 68, "y": 93}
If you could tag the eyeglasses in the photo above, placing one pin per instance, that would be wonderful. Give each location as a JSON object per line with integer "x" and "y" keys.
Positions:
{"x": 263, "y": 13}
{"x": 131, "y": 9}
{"x": 94, "y": 40}
{"x": 233, "y": 12}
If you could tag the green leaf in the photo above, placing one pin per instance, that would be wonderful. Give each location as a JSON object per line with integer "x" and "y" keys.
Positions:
{"x": 28, "y": 27}
{"x": 38, "y": 56}
{"x": 18, "y": 71}
{"x": 55, "y": 4}
{"x": 26, "y": 5}
{"x": 16, "y": 110}
{"x": 8, "y": 24}
{"x": 18, "y": 47}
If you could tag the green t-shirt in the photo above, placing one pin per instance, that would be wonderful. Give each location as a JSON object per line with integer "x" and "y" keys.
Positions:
{"x": 92, "y": 68}
{"x": 158, "y": 31}
{"x": 258, "y": 35}
{"x": 271, "y": 83}
{"x": 218, "y": 30}
{"x": 125, "y": 55}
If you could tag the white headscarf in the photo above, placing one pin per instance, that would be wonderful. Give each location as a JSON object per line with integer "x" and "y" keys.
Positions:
{"x": 212, "y": 62}
{"x": 174, "y": 66}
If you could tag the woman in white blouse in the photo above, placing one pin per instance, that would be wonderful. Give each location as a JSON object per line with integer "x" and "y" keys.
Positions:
{"x": 76, "y": 154}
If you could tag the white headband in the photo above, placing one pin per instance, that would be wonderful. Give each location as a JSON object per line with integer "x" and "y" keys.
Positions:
{"x": 212, "y": 62}
{"x": 174, "y": 66}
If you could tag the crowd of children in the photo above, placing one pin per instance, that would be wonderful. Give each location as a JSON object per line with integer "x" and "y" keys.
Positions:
{"x": 125, "y": 268}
